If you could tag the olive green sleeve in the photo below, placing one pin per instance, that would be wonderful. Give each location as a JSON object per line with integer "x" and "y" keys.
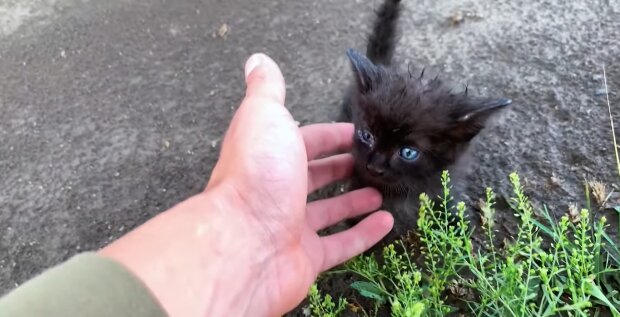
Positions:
{"x": 86, "y": 285}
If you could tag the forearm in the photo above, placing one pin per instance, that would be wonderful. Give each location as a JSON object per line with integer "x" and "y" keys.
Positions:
{"x": 86, "y": 285}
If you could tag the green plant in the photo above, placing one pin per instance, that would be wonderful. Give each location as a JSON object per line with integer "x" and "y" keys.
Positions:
{"x": 527, "y": 280}
{"x": 444, "y": 244}
{"x": 399, "y": 282}
{"x": 577, "y": 272}
{"x": 396, "y": 281}
{"x": 324, "y": 306}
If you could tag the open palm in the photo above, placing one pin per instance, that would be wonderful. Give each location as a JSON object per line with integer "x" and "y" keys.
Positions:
{"x": 270, "y": 165}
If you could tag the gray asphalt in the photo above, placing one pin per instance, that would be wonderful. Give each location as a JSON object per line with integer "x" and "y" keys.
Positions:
{"x": 112, "y": 112}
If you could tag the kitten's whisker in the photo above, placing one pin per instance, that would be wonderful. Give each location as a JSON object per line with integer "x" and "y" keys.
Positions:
{"x": 403, "y": 189}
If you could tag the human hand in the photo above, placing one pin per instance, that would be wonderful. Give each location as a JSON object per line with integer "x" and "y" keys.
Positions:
{"x": 270, "y": 165}
{"x": 248, "y": 244}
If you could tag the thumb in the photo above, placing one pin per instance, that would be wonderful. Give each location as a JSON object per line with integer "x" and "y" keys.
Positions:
{"x": 264, "y": 79}
{"x": 262, "y": 137}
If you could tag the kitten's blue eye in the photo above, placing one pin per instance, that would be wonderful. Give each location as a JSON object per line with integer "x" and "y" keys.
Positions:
{"x": 365, "y": 136}
{"x": 409, "y": 153}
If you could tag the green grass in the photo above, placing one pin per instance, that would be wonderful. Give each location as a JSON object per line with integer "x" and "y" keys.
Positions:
{"x": 613, "y": 135}
{"x": 575, "y": 274}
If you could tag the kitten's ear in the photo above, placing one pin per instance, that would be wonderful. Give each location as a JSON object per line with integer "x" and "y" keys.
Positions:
{"x": 366, "y": 72}
{"x": 472, "y": 121}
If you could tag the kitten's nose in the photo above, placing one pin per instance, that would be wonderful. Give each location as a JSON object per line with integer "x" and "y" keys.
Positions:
{"x": 375, "y": 170}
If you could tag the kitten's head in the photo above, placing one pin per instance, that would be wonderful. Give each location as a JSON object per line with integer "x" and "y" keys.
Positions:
{"x": 407, "y": 130}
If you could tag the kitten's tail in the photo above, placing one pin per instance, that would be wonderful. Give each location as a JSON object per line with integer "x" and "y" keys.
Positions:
{"x": 383, "y": 37}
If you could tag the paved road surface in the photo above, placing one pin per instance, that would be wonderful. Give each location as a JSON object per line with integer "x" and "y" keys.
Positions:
{"x": 112, "y": 111}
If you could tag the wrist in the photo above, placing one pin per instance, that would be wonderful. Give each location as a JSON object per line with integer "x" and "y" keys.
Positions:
{"x": 193, "y": 263}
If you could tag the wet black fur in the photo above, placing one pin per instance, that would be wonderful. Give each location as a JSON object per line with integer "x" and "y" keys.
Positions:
{"x": 399, "y": 109}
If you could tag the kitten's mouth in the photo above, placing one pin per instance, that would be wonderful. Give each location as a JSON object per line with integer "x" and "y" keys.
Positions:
{"x": 382, "y": 182}
{"x": 379, "y": 180}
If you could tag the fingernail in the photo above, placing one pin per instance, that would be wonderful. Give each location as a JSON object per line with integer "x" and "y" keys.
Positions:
{"x": 252, "y": 63}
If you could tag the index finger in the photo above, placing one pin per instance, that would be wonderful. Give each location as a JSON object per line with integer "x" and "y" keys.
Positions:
{"x": 327, "y": 138}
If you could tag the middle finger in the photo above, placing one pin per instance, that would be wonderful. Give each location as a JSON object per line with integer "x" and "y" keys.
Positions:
{"x": 327, "y": 170}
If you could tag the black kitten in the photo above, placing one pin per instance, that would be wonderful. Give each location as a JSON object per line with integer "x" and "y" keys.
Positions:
{"x": 407, "y": 129}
